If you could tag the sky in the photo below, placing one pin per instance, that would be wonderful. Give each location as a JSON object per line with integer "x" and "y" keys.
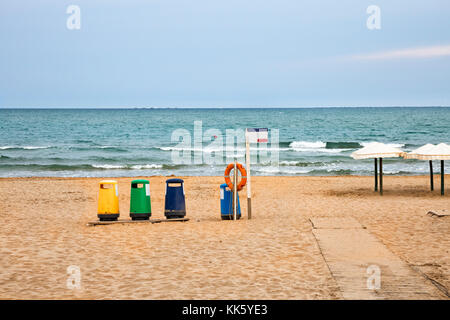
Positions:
{"x": 209, "y": 53}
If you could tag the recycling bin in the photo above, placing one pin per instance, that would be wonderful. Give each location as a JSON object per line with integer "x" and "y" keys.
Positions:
{"x": 226, "y": 203}
{"x": 175, "y": 205}
{"x": 108, "y": 201}
{"x": 140, "y": 203}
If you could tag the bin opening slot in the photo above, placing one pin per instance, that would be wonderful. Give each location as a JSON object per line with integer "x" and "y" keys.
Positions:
{"x": 137, "y": 185}
{"x": 175, "y": 184}
{"x": 106, "y": 186}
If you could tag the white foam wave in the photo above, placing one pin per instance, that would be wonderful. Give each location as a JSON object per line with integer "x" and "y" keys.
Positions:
{"x": 323, "y": 150}
{"x": 289, "y": 163}
{"x": 394, "y": 145}
{"x": 147, "y": 166}
{"x": 108, "y": 166}
{"x": 282, "y": 170}
{"x": 224, "y": 149}
{"x": 317, "y": 146}
{"x": 307, "y": 144}
{"x": 24, "y": 147}
{"x": 134, "y": 167}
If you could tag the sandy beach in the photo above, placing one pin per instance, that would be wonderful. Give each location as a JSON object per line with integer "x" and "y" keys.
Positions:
{"x": 275, "y": 255}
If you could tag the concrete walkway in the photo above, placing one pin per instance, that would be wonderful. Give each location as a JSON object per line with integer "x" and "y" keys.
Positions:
{"x": 363, "y": 267}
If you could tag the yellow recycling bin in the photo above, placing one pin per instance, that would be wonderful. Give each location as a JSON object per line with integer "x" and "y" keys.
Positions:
{"x": 108, "y": 200}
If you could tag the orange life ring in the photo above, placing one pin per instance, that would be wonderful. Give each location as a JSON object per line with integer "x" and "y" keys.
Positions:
{"x": 243, "y": 172}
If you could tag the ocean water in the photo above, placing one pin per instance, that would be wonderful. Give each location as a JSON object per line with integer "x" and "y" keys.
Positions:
{"x": 139, "y": 142}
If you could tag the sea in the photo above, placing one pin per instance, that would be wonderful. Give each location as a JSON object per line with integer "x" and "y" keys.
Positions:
{"x": 202, "y": 141}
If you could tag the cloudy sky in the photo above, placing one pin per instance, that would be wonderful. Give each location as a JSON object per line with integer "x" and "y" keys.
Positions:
{"x": 208, "y": 53}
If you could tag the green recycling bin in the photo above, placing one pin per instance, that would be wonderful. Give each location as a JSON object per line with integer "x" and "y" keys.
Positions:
{"x": 140, "y": 204}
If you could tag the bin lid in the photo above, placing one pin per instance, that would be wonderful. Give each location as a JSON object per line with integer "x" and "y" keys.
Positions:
{"x": 140, "y": 181}
{"x": 223, "y": 185}
{"x": 108, "y": 182}
{"x": 174, "y": 181}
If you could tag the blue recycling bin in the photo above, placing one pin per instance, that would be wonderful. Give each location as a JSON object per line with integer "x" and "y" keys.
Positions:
{"x": 175, "y": 205}
{"x": 226, "y": 203}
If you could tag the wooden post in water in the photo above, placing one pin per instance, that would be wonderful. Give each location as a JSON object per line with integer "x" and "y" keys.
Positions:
{"x": 381, "y": 176}
{"x": 376, "y": 175}
{"x": 431, "y": 176}
{"x": 442, "y": 177}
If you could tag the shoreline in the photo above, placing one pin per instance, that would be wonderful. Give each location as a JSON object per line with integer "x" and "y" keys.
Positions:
{"x": 436, "y": 174}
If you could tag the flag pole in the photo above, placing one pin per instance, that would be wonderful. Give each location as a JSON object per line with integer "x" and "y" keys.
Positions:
{"x": 249, "y": 191}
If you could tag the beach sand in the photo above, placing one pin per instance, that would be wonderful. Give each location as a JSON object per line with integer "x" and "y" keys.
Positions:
{"x": 275, "y": 255}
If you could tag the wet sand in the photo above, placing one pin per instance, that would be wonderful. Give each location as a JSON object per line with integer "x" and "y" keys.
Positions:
{"x": 273, "y": 256}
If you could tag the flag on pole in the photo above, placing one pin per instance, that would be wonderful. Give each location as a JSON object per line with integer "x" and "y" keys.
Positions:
{"x": 258, "y": 135}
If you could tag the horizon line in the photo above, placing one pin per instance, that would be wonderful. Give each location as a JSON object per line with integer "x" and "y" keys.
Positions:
{"x": 218, "y": 107}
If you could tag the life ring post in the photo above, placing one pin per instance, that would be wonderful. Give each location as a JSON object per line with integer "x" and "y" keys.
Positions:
{"x": 241, "y": 169}
{"x": 235, "y": 186}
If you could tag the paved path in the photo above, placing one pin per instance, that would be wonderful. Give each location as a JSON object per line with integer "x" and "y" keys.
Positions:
{"x": 355, "y": 257}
